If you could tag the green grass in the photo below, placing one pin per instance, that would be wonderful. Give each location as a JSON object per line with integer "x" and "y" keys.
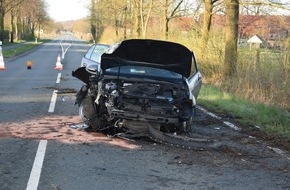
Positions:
{"x": 270, "y": 119}
{"x": 16, "y": 51}
{"x": 21, "y": 49}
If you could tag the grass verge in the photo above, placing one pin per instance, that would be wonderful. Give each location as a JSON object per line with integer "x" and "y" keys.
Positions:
{"x": 272, "y": 120}
{"x": 19, "y": 49}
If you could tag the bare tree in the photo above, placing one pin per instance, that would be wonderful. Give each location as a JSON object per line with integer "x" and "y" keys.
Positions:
{"x": 173, "y": 9}
{"x": 33, "y": 14}
{"x": 263, "y": 7}
{"x": 6, "y": 6}
{"x": 207, "y": 17}
{"x": 232, "y": 18}
{"x": 144, "y": 9}
{"x": 93, "y": 19}
{"x": 142, "y": 13}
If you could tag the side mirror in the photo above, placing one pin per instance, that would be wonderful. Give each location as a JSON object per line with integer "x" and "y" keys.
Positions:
{"x": 92, "y": 69}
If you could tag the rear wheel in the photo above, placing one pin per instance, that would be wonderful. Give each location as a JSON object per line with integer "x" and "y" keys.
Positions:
{"x": 188, "y": 124}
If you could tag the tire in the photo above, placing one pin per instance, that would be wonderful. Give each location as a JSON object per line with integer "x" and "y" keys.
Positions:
{"x": 88, "y": 114}
{"x": 87, "y": 110}
{"x": 181, "y": 141}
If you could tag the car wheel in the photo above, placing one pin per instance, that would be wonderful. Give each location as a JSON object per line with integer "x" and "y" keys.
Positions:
{"x": 87, "y": 110}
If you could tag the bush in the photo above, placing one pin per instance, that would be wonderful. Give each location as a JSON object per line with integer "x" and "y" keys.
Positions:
{"x": 6, "y": 35}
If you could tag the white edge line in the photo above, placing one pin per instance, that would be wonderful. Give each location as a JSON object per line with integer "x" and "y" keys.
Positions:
{"x": 232, "y": 126}
{"x": 37, "y": 166}
{"x": 208, "y": 113}
{"x": 219, "y": 118}
{"x": 58, "y": 78}
{"x": 53, "y": 101}
{"x": 277, "y": 150}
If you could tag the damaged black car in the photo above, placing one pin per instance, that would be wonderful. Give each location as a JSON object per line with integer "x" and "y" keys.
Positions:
{"x": 137, "y": 84}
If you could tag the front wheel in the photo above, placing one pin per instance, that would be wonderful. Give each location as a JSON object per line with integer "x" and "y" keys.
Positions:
{"x": 88, "y": 113}
{"x": 87, "y": 109}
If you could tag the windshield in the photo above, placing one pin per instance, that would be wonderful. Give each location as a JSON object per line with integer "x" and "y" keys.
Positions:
{"x": 144, "y": 72}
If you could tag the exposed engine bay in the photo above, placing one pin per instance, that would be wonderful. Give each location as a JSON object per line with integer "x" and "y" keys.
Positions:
{"x": 147, "y": 101}
{"x": 114, "y": 103}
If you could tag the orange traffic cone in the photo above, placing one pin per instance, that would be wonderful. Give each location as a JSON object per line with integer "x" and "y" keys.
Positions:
{"x": 2, "y": 65}
{"x": 58, "y": 65}
{"x": 28, "y": 64}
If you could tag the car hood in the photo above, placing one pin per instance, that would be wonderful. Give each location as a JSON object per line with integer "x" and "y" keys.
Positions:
{"x": 152, "y": 53}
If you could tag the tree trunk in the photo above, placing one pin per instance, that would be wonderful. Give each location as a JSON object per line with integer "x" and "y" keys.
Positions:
{"x": 12, "y": 27}
{"x": 39, "y": 28}
{"x": 147, "y": 19}
{"x": 166, "y": 29}
{"x": 16, "y": 29}
{"x": 93, "y": 20}
{"x": 116, "y": 25}
{"x": 137, "y": 24}
{"x": 2, "y": 30}
{"x": 207, "y": 16}
{"x": 232, "y": 18}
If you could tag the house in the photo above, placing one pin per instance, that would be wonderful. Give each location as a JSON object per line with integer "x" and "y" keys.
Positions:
{"x": 273, "y": 29}
{"x": 256, "y": 41}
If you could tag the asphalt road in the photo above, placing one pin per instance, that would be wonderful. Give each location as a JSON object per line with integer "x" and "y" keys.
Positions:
{"x": 39, "y": 150}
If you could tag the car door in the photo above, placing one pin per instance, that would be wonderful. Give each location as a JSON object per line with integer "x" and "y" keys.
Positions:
{"x": 195, "y": 79}
{"x": 86, "y": 60}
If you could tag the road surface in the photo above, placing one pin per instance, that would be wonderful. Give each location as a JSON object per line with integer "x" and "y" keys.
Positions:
{"x": 39, "y": 150}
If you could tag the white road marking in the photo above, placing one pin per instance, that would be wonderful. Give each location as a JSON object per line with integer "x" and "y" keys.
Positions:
{"x": 208, "y": 113}
{"x": 53, "y": 101}
{"x": 219, "y": 118}
{"x": 38, "y": 161}
{"x": 62, "y": 49}
{"x": 58, "y": 78}
{"x": 37, "y": 166}
{"x": 232, "y": 126}
{"x": 277, "y": 150}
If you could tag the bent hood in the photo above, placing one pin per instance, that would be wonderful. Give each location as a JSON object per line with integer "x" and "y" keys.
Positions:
{"x": 152, "y": 53}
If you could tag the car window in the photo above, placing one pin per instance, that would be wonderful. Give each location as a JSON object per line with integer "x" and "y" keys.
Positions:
{"x": 89, "y": 52}
{"x": 193, "y": 66}
{"x": 146, "y": 72}
{"x": 98, "y": 51}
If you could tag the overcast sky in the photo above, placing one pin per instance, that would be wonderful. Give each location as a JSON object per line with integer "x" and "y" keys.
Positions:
{"x": 62, "y": 10}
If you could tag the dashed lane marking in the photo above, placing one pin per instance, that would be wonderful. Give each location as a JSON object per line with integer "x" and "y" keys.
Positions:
{"x": 58, "y": 78}
{"x": 37, "y": 166}
{"x": 38, "y": 161}
{"x": 53, "y": 101}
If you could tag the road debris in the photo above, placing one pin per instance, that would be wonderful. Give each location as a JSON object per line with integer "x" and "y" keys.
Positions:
{"x": 79, "y": 126}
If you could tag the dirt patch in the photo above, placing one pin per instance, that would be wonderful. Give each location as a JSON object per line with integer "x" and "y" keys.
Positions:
{"x": 58, "y": 128}
{"x": 273, "y": 140}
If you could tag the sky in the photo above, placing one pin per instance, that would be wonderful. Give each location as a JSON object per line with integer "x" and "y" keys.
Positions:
{"x": 63, "y": 10}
